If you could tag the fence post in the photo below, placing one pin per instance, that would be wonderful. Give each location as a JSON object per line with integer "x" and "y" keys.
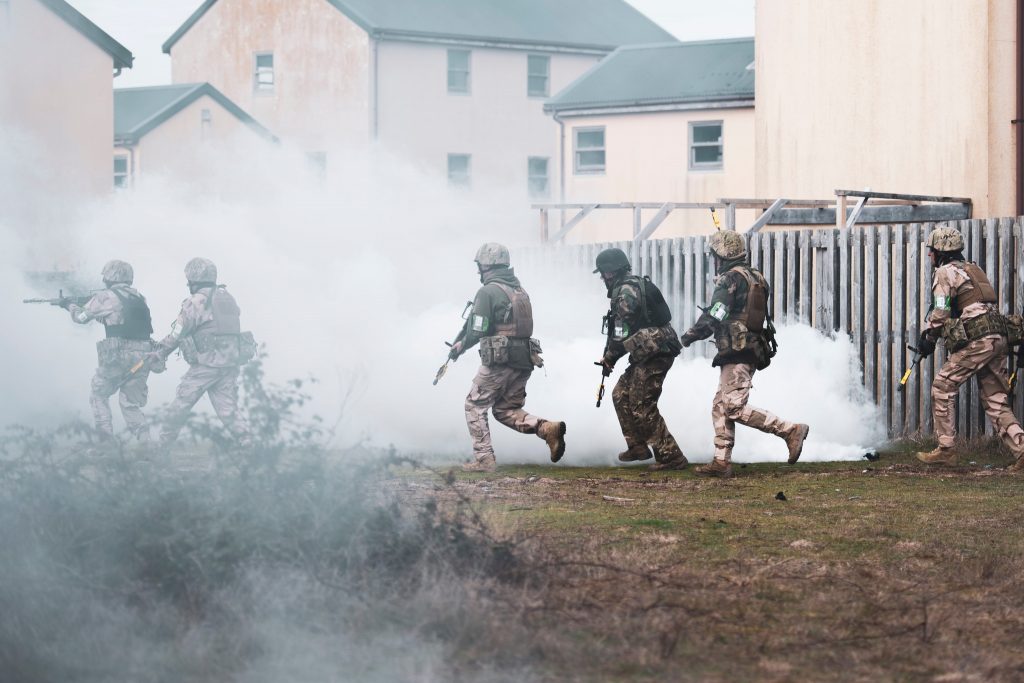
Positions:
{"x": 911, "y": 392}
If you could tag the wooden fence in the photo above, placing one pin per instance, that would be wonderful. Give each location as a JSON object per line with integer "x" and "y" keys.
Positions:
{"x": 872, "y": 283}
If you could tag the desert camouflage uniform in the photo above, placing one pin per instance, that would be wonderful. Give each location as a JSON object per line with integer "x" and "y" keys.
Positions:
{"x": 638, "y": 390}
{"x": 984, "y": 357}
{"x": 116, "y": 357}
{"x": 213, "y": 364}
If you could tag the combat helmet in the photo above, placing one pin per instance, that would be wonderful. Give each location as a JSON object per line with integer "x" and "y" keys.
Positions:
{"x": 946, "y": 239}
{"x": 118, "y": 272}
{"x": 492, "y": 254}
{"x": 728, "y": 245}
{"x": 200, "y": 270}
{"x": 611, "y": 260}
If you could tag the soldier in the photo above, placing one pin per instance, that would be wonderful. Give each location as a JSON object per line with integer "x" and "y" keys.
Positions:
{"x": 125, "y": 315}
{"x": 737, "y": 318}
{"x": 502, "y": 322}
{"x": 965, "y": 316}
{"x": 208, "y": 332}
{"x": 639, "y": 323}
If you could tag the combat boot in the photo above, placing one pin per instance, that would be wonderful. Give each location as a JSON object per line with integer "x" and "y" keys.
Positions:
{"x": 484, "y": 464}
{"x": 1017, "y": 466}
{"x": 939, "y": 456}
{"x": 715, "y": 468}
{"x": 553, "y": 434}
{"x": 674, "y": 460}
{"x": 634, "y": 453}
{"x": 795, "y": 442}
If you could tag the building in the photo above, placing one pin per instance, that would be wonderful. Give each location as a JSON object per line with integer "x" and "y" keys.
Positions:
{"x": 918, "y": 96}
{"x": 56, "y": 104}
{"x": 457, "y": 86}
{"x": 658, "y": 123}
{"x": 168, "y": 129}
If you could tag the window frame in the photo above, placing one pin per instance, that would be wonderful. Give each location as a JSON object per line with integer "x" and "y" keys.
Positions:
{"x": 126, "y": 177}
{"x": 452, "y": 182}
{"x": 468, "y": 71}
{"x": 577, "y": 169}
{"x": 257, "y": 87}
{"x": 692, "y": 163}
{"x": 530, "y": 177}
{"x": 547, "y": 76}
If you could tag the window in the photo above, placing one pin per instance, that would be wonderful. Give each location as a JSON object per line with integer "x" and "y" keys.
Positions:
{"x": 122, "y": 171}
{"x": 537, "y": 176}
{"x": 538, "y": 70}
{"x": 458, "y": 71}
{"x": 205, "y": 122}
{"x": 263, "y": 77}
{"x": 706, "y": 145}
{"x": 458, "y": 170}
{"x": 588, "y": 150}
{"x": 5, "y": 13}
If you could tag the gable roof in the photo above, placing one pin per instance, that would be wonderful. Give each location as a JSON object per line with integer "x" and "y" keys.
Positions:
{"x": 589, "y": 25}
{"x": 137, "y": 111}
{"x": 119, "y": 53}
{"x": 703, "y": 72}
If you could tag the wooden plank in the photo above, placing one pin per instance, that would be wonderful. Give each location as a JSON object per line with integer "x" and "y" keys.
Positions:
{"x": 767, "y": 216}
{"x": 991, "y": 229}
{"x": 928, "y": 364}
{"x": 677, "y": 282}
{"x": 840, "y": 211}
{"x": 857, "y": 294}
{"x": 767, "y": 262}
{"x": 754, "y": 249}
{"x": 899, "y": 327}
{"x": 778, "y": 298}
{"x": 688, "y": 294}
{"x": 913, "y": 279}
{"x": 652, "y": 225}
{"x": 910, "y": 197}
{"x": 885, "y": 324}
{"x": 871, "y": 311}
{"x": 1018, "y": 298}
{"x": 855, "y": 214}
{"x": 1005, "y": 287}
{"x": 844, "y": 282}
{"x": 793, "y": 279}
{"x": 567, "y": 228}
{"x": 873, "y": 214}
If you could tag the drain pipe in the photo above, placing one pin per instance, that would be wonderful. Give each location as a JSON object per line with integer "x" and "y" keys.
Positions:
{"x": 561, "y": 164}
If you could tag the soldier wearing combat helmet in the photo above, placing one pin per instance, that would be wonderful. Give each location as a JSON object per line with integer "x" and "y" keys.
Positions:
{"x": 639, "y": 323}
{"x": 739, "y": 320}
{"x": 964, "y": 315}
{"x": 502, "y": 323}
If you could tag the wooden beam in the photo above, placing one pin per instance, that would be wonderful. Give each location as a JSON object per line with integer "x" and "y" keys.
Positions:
{"x": 584, "y": 212}
{"x": 926, "y": 213}
{"x": 658, "y": 219}
{"x": 913, "y": 197}
{"x": 855, "y": 214}
{"x": 767, "y": 216}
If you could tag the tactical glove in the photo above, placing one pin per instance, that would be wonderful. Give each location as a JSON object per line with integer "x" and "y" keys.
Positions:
{"x": 926, "y": 345}
{"x": 65, "y": 303}
{"x": 687, "y": 338}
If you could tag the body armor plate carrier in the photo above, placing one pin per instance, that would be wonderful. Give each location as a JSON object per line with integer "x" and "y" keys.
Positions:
{"x": 137, "y": 321}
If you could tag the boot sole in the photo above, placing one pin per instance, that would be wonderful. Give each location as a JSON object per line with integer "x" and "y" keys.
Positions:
{"x": 560, "y": 451}
{"x": 793, "y": 458}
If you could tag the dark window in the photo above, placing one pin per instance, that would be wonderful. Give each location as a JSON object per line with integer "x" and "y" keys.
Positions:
{"x": 537, "y": 174}
{"x": 706, "y": 145}
{"x": 588, "y": 150}
{"x": 263, "y": 77}
{"x": 458, "y": 170}
{"x": 122, "y": 171}
{"x": 458, "y": 71}
{"x": 538, "y": 71}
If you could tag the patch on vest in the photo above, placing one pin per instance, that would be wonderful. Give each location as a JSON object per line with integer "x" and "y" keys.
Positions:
{"x": 479, "y": 323}
{"x": 719, "y": 311}
{"x": 175, "y": 329}
{"x": 943, "y": 303}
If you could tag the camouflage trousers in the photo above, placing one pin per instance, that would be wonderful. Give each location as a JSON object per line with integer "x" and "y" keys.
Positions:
{"x": 133, "y": 396}
{"x": 730, "y": 406}
{"x": 502, "y": 390}
{"x": 221, "y": 385}
{"x": 635, "y": 397}
{"x": 985, "y": 358}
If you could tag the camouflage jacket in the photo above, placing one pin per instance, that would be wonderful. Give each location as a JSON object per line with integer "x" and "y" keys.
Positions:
{"x": 627, "y": 309}
{"x": 195, "y": 319}
{"x": 490, "y": 306}
{"x": 730, "y": 295}
{"x": 104, "y": 306}
{"x": 947, "y": 281}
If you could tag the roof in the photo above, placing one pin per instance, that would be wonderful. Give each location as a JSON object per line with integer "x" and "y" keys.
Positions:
{"x": 121, "y": 55}
{"x": 600, "y": 25}
{"x": 137, "y": 111}
{"x": 709, "y": 71}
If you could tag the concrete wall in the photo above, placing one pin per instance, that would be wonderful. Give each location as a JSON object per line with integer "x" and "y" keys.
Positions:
{"x": 647, "y": 160}
{"x": 910, "y": 96}
{"x": 321, "y": 92}
{"x": 497, "y": 122}
{"x": 56, "y": 95}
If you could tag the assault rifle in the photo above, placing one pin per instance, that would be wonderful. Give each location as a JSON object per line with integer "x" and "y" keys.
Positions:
{"x": 444, "y": 368}
{"x": 906, "y": 375}
{"x": 61, "y": 300}
{"x": 605, "y": 373}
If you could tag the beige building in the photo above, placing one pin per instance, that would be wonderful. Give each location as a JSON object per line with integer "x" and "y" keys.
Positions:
{"x": 912, "y": 96}
{"x": 654, "y": 124}
{"x": 56, "y": 104}
{"x": 457, "y": 87}
{"x": 173, "y": 129}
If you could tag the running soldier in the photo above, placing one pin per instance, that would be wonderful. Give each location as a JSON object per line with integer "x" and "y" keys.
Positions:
{"x": 126, "y": 318}
{"x": 739, "y": 320}
{"x": 208, "y": 333}
{"x": 502, "y": 322}
{"x": 964, "y": 314}
{"x": 639, "y": 323}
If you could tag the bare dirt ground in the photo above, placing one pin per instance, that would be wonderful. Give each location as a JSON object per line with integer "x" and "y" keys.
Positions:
{"x": 840, "y": 571}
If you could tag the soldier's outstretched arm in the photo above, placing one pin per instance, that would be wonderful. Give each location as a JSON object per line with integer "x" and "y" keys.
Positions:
{"x": 96, "y": 308}
{"x": 722, "y": 303}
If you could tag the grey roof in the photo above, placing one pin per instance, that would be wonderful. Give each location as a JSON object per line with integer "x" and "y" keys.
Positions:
{"x": 670, "y": 73}
{"x": 119, "y": 53}
{"x": 581, "y": 24}
{"x": 137, "y": 111}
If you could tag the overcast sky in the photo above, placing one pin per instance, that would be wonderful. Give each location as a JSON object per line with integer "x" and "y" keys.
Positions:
{"x": 143, "y": 25}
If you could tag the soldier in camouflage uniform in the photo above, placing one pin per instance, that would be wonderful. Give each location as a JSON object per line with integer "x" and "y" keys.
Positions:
{"x": 639, "y": 323}
{"x": 502, "y": 322}
{"x": 125, "y": 315}
{"x": 738, "y": 319}
{"x": 964, "y": 314}
{"x": 208, "y": 333}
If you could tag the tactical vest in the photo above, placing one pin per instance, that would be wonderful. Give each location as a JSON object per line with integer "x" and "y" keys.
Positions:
{"x": 755, "y": 308}
{"x": 137, "y": 321}
{"x": 980, "y": 291}
{"x": 654, "y": 310}
{"x": 520, "y": 322}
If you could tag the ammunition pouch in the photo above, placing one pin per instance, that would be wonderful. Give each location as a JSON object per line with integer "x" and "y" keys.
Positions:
{"x": 732, "y": 338}
{"x": 241, "y": 346}
{"x": 501, "y": 350}
{"x": 535, "y": 351}
{"x": 119, "y": 350}
{"x": 958, "y": 332}
{"x": 187, "y": 346}
{"x": 1014, "y": 329}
